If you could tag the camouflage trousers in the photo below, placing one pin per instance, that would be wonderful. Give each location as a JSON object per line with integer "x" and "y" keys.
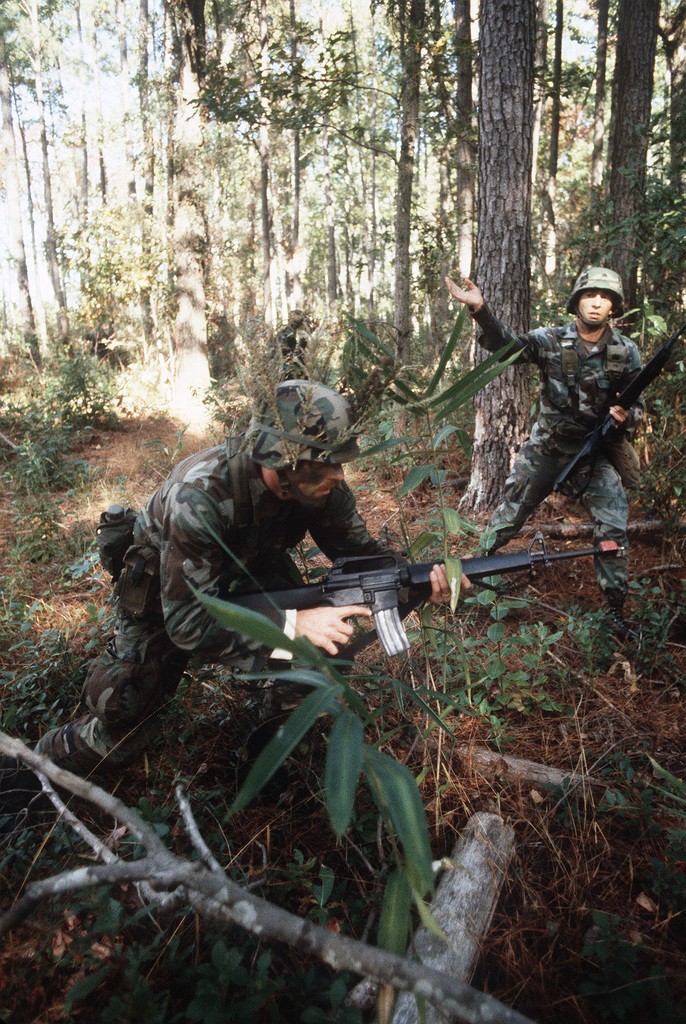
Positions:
{"x": 532, "y": 479}
{"x": 125, "y": 691}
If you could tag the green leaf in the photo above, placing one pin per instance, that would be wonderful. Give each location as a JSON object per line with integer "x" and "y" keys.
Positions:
{"x": 416, "y": 476}
{"x": 421, "y": 703}
{"x": 394, "y": 923}
{"x": 471, "y": 383}
{"x": 286, "y": 738}
{"x": 496, "y": 632}
{"x": 384, "y": 446}
{"x": 422, "y": 541}
{"x": 397, "y": 794}
{"x": 454, "y": 523}
{"x": 342, "y": 771}
{"x": 453, "y": 568}
{"x": 447, "y": 352}
{"x": 85, "y": 986}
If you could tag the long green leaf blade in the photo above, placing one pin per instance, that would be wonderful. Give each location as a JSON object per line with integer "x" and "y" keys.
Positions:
{"x": 342, "y": 771}
{"x": 447, "y": 352}
{"x": 395, "y": 790}
{"x": 394, "y": 922}
{"x": 286, "y": 738}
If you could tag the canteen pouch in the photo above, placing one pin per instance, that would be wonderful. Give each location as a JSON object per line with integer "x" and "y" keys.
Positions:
{"x": 114, "y": 536}
{"x": 624, "y": 458}
{"x": 139, "y": 584}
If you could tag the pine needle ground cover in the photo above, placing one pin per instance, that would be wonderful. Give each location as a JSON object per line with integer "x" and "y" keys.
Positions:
{"x": 590, "y": 925}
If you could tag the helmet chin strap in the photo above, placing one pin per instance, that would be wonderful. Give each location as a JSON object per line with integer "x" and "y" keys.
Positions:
{"x": 593, "y": 324}
{"x": 291, "y": 490}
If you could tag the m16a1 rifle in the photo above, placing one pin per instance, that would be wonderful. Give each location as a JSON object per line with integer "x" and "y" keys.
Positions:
{"x": 593, "y": 444}
{"x": 379, "y": 580}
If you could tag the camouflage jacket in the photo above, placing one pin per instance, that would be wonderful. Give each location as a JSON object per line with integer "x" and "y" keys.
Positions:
{"x": 576, "y": 387}
{"x": 215, "y": 524}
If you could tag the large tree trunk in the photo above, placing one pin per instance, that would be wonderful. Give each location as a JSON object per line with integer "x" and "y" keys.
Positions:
{"x": 507, "y": 44}
{"x": 16, "y": 233}
{"x": 631, "y": 99}
{"x": 551, "y": 188}
{"x": 332, "y": 282}
{"x": 464, "y": 155}
{"x": 599, "y": 112}
{"x": 192, "y": 374}
{"x": 410, "y": 55}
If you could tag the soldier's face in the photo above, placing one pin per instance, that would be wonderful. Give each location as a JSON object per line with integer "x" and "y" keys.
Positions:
{"x": 594, "y": 307}
{"x": 312, "y": 482}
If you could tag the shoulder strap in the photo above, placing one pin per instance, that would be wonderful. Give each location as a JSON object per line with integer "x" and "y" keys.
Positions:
{"x": 615, "y": 357}
{"x": 238, "y": 465}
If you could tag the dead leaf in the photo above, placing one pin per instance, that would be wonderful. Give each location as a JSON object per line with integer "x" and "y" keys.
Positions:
{"x": 536, "y": 797}
{"x": 646, "y": 903}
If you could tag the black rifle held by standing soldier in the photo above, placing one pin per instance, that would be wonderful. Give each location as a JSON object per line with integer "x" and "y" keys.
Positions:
{"x": 586, "y": 456}
{"x": 377, "y": 581}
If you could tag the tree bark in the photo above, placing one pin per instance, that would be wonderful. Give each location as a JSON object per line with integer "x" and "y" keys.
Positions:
{"x": 631, "y": 99}
{"x": 464, "y": 154}
{"x": 192, "y": 374}
{"x": 507, "y": 44}
{"x": 268, "y": 282}
{"x": 17, "y": 248}
{"x": 411, "y": 28}
{"x": 148, "y": 169}
{"x": 603, "y": 7}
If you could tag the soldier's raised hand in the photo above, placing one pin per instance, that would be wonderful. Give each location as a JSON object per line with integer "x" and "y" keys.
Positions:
{"x": 471, "y": 295}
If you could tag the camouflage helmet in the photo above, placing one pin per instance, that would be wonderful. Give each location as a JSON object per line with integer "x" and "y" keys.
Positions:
{"x": 310, "y": 421}
{"x": 598, "y": 279}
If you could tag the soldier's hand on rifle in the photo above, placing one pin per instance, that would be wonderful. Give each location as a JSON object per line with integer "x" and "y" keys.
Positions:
{"x": 619, "y": 414}
{"x": 440, "y": 587}
{"x": 328, "y": 627}
{"x": 472, "y": 296}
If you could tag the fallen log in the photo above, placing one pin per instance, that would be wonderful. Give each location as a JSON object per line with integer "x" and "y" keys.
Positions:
{"x": 569, "y": 531}
{"x": 466, "y": 897}
{"x": 463, "y": 907}
{"x": 489, "y": 763}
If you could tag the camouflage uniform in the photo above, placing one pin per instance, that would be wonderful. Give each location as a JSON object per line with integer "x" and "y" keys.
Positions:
{"x": 213, "y": 523}
{"x": 576, "y": 387}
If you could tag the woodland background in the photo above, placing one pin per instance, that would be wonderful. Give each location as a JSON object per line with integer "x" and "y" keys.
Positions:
{"x": 177, "y": 179}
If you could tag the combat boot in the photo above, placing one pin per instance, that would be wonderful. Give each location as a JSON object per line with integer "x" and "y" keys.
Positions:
{"x": 620, "y": 627}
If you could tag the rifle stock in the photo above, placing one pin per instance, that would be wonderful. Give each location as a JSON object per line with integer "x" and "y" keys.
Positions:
{"x": 378, "y": 580}
{"x": 593, "y": 443}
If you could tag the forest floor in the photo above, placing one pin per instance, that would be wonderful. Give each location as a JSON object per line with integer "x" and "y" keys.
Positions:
{"x": 584, "y": 867}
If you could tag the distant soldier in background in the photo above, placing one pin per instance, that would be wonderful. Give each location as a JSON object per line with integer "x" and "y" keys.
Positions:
{"x": 583, "y": 366}
{"x": 293, "y": 338}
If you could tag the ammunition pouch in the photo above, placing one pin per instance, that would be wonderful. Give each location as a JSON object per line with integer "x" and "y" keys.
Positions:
{"x": 138, "y": 588}
{"x": 114, "y": 535}
{"x": 624, "y": 458}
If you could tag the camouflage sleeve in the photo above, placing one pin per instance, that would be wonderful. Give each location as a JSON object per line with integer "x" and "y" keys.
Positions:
{"x": 192, "y": 555}
{"x": 494, "y": 335}
{"x": 341, "y": 531}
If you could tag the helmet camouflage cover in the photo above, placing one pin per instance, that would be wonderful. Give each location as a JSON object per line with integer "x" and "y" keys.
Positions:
{"x": 600, "y": 279}
{"x": 309, "y": 421}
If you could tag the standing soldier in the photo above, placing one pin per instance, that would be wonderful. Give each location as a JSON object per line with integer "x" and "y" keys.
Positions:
{"x": 583, "y": 367}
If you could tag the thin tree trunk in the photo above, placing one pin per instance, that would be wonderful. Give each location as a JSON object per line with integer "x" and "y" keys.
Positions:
{"x": 82, "y": 172}
{"x": 98, "y": 107}
{"x": 293, "y": 270}
{"x": 267, "y": 261}
{"x": 540, "y": 59}
{"x": 148, "y": 168}
{"x": 125, "y": 96}
{"x": 603, "y": 7}
{"x": 192, "y": 374}
{"x": 411, "y": 51}
{"x": 50, "y": 233}
{"x": 16, "y": 232}
{"x": 507, "y": 43}
{"x": 332, "y": 284}
{"x": 39, "y": 304}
